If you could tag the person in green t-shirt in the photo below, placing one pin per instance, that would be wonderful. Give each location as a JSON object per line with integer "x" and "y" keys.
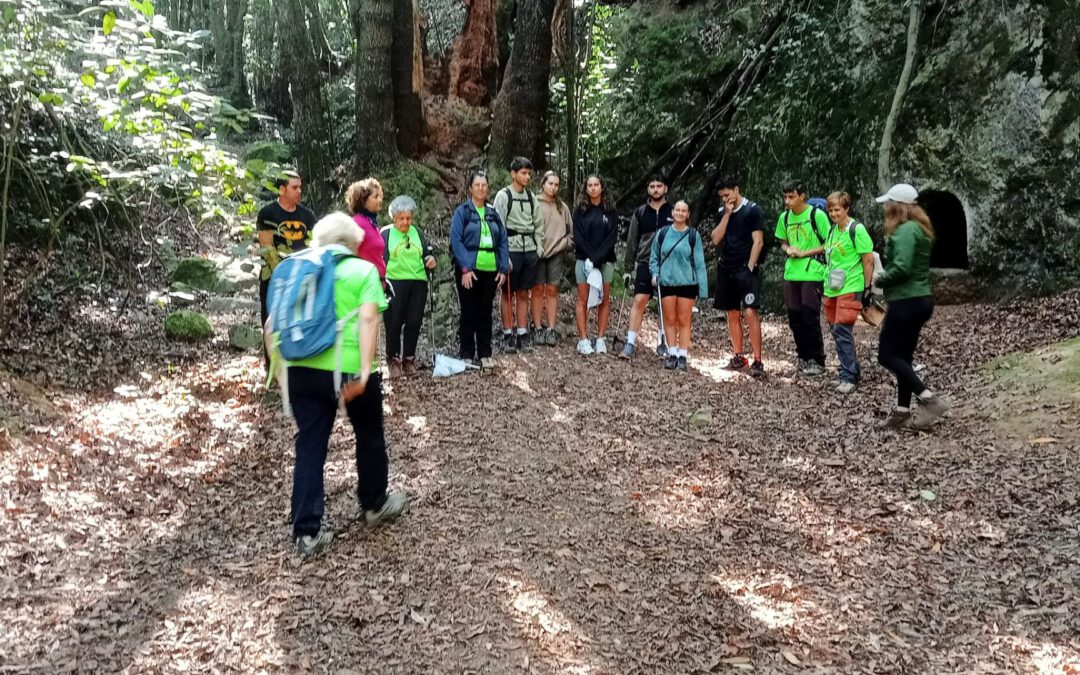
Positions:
{"x": 310, "y": 386}
{"x": 906, "y": 282}
{"x": 849, "y": 266}
{"x": 802, "y": 229}
{"x": 408, "y": 261}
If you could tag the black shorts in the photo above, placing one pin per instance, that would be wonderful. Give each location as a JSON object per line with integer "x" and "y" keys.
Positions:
{"x": 525, "y": 270}
{"x": 689, "y": 292}
{"x": 643, "y": 280}
{"x": 738, "y": 289}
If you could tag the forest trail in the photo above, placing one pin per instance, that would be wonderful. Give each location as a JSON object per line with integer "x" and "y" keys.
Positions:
{"x": 568, "y": 515}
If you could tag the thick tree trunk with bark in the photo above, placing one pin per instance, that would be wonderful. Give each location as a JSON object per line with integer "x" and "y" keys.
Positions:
{"x": 234, "y": 26}
{"x": 373, "y": 24}
{"x": 520, "y": 125}
{"x": 407, "y": 72}
{"x": 305, "y": 82}
{"x": 474, "y": 63}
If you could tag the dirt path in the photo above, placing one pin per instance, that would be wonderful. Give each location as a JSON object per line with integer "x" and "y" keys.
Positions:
{"x": 567, "y": 516}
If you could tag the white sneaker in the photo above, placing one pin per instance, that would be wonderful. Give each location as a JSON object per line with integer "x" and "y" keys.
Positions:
{"x": 584, "y": 347}
{"x": 393, "y": 507}
{"x": 601, "y": 346}
{"x": 845, "y": 388}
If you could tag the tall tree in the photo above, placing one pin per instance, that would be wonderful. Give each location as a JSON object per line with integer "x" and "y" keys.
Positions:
{"x": 885, "y": 149}
{"x": 373, "y": 26}
{"x": 407, "y": 73}
{"x": 305, "y": 83}
{"x": 520, "y": 125}
{"x": 235, "y": 10}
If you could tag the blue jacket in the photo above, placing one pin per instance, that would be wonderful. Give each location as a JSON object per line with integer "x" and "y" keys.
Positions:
{"x": 674, "y": 265}
{"x": 465, "y": 237}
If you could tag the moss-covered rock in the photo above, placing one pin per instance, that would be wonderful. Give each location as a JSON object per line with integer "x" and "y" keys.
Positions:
{"x": 197, "y": 273}
{"x": 245, "y": 337}
{"x": 268, "y": 151}
{"x": 188, "y": 326}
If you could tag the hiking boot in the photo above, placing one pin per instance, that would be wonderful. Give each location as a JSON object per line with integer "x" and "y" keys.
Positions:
{"x": 486, "y": 363}
{"x": 307, "y": 545}
{"x": 552, "y": 338}
{"x": 408, "y": 366}
{"x": 757, "y": 369}
{"x": 813, "y": 369}
{"x": 682, "y": 363}
{"x": 627, "y": 352}
{"x": 524, "y": 343}
{"x": 601, "y": 346}
{"x": 671, "y": 363}
{"x": 845, "y": 388}
{"x": 394, "y": 367}
{"x": 930, "y": 411}
{"x": 393, "y": 507}
{"x": 737, "y": 362}
{"x": 510, "y": 343}
{"x": 897, "y": 419}
{"x": 584, "y": 347}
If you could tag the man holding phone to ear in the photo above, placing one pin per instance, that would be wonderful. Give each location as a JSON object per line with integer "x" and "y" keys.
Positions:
{"x": 738, "y": 277}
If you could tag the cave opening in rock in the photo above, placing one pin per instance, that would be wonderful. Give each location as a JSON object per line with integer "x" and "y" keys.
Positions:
{"x": 951, "y": 227}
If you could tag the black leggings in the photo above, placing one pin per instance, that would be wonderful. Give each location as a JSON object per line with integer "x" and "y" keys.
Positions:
{"x": 405, "y": 314}
{"x": 899, "y": 338}
{"x": 474, "y": 331}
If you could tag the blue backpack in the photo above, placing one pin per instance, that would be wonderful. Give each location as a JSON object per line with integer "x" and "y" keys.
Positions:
{"x": 300, "y": 303}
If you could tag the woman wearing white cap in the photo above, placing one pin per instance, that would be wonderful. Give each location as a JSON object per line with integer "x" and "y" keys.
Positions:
{"x": 906, "y": 283}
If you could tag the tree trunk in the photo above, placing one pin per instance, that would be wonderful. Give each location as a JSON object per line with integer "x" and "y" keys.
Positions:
{"x": 407, "y": 71}
{"x": 222, "y": 43}
{"x": 885, "y": 151}
{"x": 520, "y": 124}
{"x": 234, "y": 25}
{"x": 570, "y": 62}
{"x": 474, "y": 63}
{"x": 373, "y": 26}
{"x": 319, "y": 40}
{"x": 278, "y": 100}
{"x": 305, "y": 82}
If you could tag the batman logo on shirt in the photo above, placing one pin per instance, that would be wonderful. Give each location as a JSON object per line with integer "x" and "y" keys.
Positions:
{"x": 293, "y": 230}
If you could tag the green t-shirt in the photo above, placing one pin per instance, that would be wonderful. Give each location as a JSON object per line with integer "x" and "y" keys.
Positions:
{"x": 485, "y": 259}
{"x": 356, "y": 283}
{"x": 406, "y": 255}
{"x": 799, "y": 235}
{"x": 841, "y": 253}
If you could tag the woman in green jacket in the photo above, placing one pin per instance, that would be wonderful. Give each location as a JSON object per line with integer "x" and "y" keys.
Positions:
{"x": 408, "y": 260}
{"x": 906, "y": 283}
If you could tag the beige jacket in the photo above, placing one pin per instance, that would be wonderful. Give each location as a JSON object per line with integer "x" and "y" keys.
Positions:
{"x": 558, "y": 232}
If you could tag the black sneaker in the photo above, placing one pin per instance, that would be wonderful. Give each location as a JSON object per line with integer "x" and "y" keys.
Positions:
{"x": 737, "y": 362}
{"x": 510, "y": 343}
{"x": 525, "y": 342}
{"x": 672, "y": 362}
{"x": 682, "y": 363}
{"x": 757, "y": 369}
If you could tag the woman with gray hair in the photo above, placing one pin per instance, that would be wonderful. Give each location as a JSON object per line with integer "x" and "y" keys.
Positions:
{"x": 408, "y": 260}
{"x": 315, "y": 402}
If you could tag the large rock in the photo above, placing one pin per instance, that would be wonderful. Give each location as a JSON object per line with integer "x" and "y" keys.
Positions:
{"x": 188, "y": 326}
{"x": 245, "y": 338}
{"x": 229, "y": 304}
{"x": 198, "y": 273}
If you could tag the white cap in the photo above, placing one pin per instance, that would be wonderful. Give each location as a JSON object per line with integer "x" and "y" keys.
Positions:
{"x": 902, "y": 193}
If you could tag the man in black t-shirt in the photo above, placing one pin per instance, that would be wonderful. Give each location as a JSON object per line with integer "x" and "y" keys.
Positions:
{"x": 648, "y": 219}
{"x": 738, "y": 277}
{"x": 284, "y": 227}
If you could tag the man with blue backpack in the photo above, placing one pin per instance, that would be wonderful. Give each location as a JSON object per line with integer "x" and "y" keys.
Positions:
{"x": 324, "y": 321}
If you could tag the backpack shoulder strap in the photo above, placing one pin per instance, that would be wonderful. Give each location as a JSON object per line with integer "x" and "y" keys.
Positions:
{"x": 509, "y": 200}
{"x": 385, "y": 232}
{"x": 813, "y": 224}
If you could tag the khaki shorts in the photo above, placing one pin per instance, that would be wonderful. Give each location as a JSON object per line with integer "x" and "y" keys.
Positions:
{"x": 607, "y": 271}
{"x": 552, "y": 270}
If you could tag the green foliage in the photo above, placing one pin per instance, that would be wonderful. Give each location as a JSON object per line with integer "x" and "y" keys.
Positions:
{"x": 197, "y": 273}
{"x": 415, "y": 180}
{"x": 115, "y": 109}
{"x": 188, "y": 326}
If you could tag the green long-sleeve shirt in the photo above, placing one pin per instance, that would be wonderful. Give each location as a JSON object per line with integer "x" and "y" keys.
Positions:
{"x": 907, "y": 263}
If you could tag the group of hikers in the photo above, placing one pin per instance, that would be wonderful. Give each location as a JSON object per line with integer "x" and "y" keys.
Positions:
{"x": 515, "y": 246}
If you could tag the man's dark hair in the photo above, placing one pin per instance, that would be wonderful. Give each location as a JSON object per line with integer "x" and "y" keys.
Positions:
{"x": 796, "y": 186}
{"x": 656, "y": 178}
{"x": 284, "y": 177}
{"x": 519, "y": 163}
{"x": 727, "y": 183}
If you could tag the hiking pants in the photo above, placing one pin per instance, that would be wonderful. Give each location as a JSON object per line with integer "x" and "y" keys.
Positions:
{"x": 405, "y": 314}
{"x": 474, "y": 330}
{"x": 315, "y": 405}
{"x": 899, "y": 338}
{"x": 803, "y": 300}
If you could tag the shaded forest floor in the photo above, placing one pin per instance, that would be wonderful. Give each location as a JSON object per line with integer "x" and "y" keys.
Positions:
{"x": 568, "y": 515}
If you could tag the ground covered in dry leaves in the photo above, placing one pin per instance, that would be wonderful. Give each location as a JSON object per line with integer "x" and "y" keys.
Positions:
{"x": 568, "y": 515}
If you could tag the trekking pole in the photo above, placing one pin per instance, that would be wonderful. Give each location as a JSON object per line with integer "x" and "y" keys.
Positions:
{"x": 661, "y": 345}
{"x": 431, "y": 315}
